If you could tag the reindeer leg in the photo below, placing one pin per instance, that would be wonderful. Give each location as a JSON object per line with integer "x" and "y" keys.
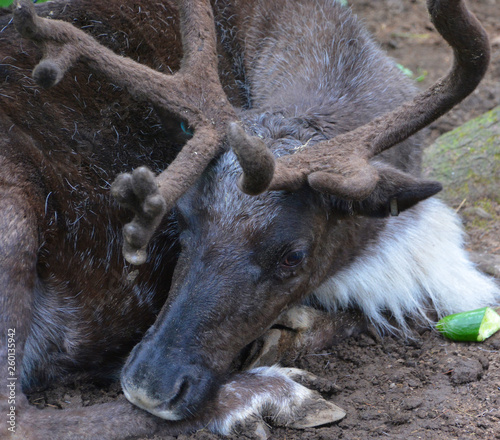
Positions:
{"x": 242, "y": 404}
{"x": 18, "y": 249}
{"x": 301, "y": 330}
{"x": 298, "y": 331}
{"x": 272, "y": 394}
{"x": 108, "y": 421}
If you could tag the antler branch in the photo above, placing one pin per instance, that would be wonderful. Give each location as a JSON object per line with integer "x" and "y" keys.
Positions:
{"x": 194, "y": 93}
{"x": 341, "y": 166}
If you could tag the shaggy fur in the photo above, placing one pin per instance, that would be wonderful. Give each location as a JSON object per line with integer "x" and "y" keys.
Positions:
{"x": 416, "y": 268}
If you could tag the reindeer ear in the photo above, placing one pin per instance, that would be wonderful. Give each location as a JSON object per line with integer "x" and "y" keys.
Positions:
{"x": 395, "y": 191}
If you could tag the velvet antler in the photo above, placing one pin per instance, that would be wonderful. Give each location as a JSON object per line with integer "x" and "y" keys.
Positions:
{"x": 341, "y": 166}
{"x": 194, "y": 94}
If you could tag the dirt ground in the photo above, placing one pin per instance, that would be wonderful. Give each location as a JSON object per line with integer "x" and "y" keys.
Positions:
{"x": 427, "y": 388}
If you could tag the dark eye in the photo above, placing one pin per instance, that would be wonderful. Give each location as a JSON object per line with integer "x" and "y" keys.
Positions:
{"x": 293, "y": 259}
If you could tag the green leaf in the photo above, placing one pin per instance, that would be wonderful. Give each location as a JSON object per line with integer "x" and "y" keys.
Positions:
{"x": 6, "y": 3}
{"x": 405, "y": 70}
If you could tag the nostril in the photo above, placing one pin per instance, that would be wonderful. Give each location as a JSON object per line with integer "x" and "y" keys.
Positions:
{"x": 181, "y": 390}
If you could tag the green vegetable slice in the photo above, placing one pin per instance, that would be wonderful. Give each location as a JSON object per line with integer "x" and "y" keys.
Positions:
{"x": 476, "y": 325}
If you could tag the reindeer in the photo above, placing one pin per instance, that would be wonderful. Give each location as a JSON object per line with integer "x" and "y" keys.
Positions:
{"x": 324, "y": 148}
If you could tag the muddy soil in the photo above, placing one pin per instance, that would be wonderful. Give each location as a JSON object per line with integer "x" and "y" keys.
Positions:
{"x": 426, "y": 388}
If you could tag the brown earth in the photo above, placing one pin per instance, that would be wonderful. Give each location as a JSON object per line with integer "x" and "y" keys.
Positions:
{"x": 427, "y": 388}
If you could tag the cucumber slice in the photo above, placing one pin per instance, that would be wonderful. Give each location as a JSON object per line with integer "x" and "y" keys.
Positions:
{"x": 476, "y": 325}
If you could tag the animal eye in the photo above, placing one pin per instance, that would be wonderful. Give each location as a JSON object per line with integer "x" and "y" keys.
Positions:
{"x": 293, "y": 259}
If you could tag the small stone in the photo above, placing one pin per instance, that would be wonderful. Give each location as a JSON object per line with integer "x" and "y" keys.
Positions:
{"x": 414, "y": 383}
{"x": 411, "y": 403}
{"x": 466, "y": 371}
{"x": 399, "y": 418}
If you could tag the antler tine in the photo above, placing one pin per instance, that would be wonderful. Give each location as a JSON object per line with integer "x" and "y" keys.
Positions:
{"x": 340, "y": 166}
{"x": 256, "y": 161}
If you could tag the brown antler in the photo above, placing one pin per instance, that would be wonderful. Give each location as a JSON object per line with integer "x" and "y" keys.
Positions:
{"x": 194, "y": 94}
{"x": 341, "y": 166}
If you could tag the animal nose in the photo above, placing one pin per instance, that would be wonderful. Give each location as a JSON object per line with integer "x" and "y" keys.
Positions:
{"x": 172, "y": 394}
